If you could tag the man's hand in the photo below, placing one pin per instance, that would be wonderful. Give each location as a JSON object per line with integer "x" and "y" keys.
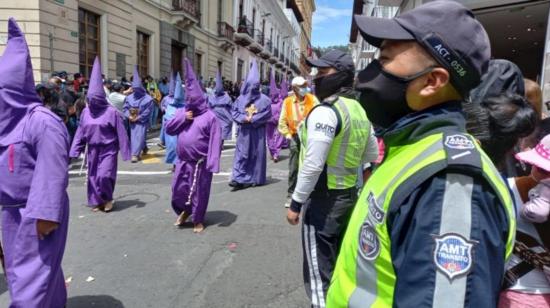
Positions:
{"x": 189, "y": 115}
{"x": 45, "y": 227}
{"x": 248, "y": 119}
{"x": 292, "y": 217}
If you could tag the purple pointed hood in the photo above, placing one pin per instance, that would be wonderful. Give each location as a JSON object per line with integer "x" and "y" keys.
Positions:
{"x": 17, "y": 91}
{"x": 137, "y": 85}
{"x": 178, "y": 92}
{"x": 195, "y": 98}
{"x": 274, "y": 92}
{"x": 97, "y": 101}
{"x": 284, "y": 88}
{"x": 172, "y": 83}
{"x": 250, "y": 90}
{"x": 219, "y": 91}
{"x": 251, "y": 87}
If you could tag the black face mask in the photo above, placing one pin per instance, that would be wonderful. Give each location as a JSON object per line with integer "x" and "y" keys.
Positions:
{"x": 328, "y": 85}
{"x": 383, "y": 95}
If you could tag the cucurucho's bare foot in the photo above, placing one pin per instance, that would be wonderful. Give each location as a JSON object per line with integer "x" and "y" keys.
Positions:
{"x": 98, "y": 208}
{"x": 198, "y": 228}
{"x": 181, "y": 219}
{"x": 109, "y": 206}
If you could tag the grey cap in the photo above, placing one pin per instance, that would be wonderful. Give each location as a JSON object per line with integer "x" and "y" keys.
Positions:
{"x": 447, "y": 30}
{"x": 335, "y": 58}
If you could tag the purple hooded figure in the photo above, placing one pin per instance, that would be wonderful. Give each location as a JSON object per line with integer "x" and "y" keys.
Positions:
{"x": 102, "y": 129}
{"x": 34, "y": 148}
{"x": 251, "y": 111}
{"x": 167, "y": 100}
{"x": 220, "y": 103}
{"x": 284, "y": 89}
{"x": 199, "y": 150}
{"x": 137, "y": 108}
{"x": 175, "y": 104}
{"x": 275, "y": 140}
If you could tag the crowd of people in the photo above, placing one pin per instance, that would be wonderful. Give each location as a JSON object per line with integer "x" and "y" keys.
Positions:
{"x": 423, "y": 180}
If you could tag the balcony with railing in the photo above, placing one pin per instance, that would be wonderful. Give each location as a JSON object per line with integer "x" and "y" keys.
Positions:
{"x": 245, "y": 32}
{"x": 184, "y": 13}
{"x": 225, "y": 30}
{"x": 265, "y": 44}
{"x": 281, "y": 60}
{"x": 256, "y": 46}
{"x": 260, "y": 38}
{"x": 187, "y": 12}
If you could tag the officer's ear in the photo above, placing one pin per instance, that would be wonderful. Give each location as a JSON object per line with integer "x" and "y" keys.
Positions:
{"x": 431, "y": 89}
{"x": 434, "y": 81}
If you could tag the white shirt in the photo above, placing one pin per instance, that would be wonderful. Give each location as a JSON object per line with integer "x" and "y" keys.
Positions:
{"x": 117, "y": 100}
{"x": 321, "y": 126}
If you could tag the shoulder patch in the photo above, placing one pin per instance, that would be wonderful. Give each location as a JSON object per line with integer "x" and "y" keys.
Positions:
{"x": 369, "y": 245}
{"x": 459, "y": 142}
{"x": 461, "y": 150}
{"x": 376, "y": 213}
{"x": 452, "y": 255}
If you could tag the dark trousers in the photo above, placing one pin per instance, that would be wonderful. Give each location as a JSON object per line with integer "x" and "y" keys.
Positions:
{"x": 293, "y": 162}
{"x": 326, "y": 217}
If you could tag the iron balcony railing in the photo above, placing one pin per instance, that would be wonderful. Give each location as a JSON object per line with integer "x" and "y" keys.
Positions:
{"x": 260, "y": 37}
{"x": 246, "y": 26}
{"x": 225, "y": 30}
{"x": 269, "y": 45}
{"x": 191, "y": 7}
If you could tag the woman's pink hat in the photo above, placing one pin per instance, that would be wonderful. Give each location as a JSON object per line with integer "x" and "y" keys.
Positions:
{"x": 539, "y": 156}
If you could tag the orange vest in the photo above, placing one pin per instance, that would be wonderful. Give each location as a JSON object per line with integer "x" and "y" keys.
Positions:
{"x": 289, "y": 103}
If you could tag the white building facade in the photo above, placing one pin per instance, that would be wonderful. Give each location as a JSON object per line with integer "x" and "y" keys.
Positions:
{"x": 264, "y": 32}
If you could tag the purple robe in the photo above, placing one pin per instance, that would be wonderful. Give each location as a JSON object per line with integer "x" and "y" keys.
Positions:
{"x": 177, "y": 102}
{"x": 199, "y": 150}
{"x": 167, "y": 100}
{"x": 220, "y": 103}
{"x": 138, "y": 129}
{"x": 275, "y": 141}
{"x": 102, "y": 128}
{"x": 144, "y": 103}
{"x": 221, "y": 106}
{"x": 38, "y": 185}
{"x": 105, "y": 136}
{"x": 249, "y": 163}
{"x": 34, "y": 146}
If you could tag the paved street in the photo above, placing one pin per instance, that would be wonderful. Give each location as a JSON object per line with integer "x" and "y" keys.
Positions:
{"x": 247, "y": 257}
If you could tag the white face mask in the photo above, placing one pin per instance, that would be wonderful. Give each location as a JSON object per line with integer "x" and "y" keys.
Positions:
{"x": 303, "y": 91}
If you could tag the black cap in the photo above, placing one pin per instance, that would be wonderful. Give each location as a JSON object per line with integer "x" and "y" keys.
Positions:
{"x": 447, "y": 30}
{"x": 338, "y": 59}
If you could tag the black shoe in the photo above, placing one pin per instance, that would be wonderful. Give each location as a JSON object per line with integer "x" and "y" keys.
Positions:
{"x": 240, "y": 186}
{"x": 233, "y": 184}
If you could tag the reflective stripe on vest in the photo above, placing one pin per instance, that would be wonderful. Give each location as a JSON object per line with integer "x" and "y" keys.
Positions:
{"x": 367, "y": 279}
{"x": 347, "y": 149}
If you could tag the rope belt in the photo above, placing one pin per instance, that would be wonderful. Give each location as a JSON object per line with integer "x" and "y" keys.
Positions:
{"x": 194, "y": 185}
